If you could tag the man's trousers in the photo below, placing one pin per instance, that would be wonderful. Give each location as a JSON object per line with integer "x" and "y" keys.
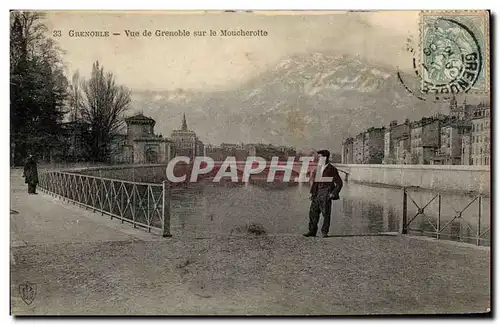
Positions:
{"x": 321, "y": 203}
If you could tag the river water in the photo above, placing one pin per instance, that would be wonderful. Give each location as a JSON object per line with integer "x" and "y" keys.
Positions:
{"x": 361, "y": 210}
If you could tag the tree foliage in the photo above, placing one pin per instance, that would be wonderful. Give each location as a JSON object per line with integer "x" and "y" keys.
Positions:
{"x": 40, "y": 96}
{"x": 75, "y": 97}
{"x": 102, "y": 108}
{"x": 38, "y": 87}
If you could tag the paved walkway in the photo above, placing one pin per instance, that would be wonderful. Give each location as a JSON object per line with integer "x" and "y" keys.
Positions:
{"x": 85, "y": 263}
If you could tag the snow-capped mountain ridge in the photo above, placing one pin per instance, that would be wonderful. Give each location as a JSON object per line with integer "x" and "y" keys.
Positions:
{"x": 311, "y": 100}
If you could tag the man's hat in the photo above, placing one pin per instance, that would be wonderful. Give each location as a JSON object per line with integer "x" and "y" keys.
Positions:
{"x": 324, "y": 153}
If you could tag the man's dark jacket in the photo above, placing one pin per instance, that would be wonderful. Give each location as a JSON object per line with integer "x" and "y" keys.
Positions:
{"x": 334, "y": 186}
{"x": 30, "y": 171}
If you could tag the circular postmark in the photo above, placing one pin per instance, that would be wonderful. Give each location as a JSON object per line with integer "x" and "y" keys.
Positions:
{"x": 413, "y": 82}
{"x": 451, "y": 58}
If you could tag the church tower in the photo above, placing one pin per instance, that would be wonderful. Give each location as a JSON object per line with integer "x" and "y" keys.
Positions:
{"x": 184, "y": 123}
{"x": 458, "y": 111}
{"x": 186, "y": 141}
{"x": 453, "y": 104}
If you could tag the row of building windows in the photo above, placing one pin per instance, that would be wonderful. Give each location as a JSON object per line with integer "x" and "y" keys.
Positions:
{"x": 186, "y": 146}
{"x": 478, "y": 138}
{"x": 186, "y": 140}
{"x": 481, "y": 145}
{"x": 477, "y": 151}
{"x": 445, "y": 131}
{"x": 480, "y": 127}
{"x": 481, "y": 161}
{"x": 485, "y": 144}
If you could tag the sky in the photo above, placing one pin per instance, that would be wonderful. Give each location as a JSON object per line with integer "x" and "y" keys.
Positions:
{"x": 219, "y": 63}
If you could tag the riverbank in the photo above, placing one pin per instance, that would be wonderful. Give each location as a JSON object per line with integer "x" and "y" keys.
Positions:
{"x": 83, "y": 263}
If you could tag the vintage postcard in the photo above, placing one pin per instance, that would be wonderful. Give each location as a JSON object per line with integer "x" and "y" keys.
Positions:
{"x": 250, "y": 162}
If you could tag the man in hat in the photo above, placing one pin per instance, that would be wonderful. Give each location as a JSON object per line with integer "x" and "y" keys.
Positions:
{"x": 322, "y": 194}
{"x": 30, "y": 174}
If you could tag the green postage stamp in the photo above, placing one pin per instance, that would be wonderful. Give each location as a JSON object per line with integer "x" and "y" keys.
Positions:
{"x": 454, "y": 52}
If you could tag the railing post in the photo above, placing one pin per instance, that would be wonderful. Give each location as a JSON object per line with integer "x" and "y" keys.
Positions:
{"x": 460, "y": 234}
{"x": 122, "y": 200}
{"x": 404, "y": 220}
{"x": 133, "y": 207}
{"x": 166, "y": 209}
{"x": 93, "y": 197}
{"x": 478, "y": 236}
{"x": 438, "y": 230}
{"x": 148, "y": 191}
{"x": 111, "y": 198}
{"x": 103, "y": 195}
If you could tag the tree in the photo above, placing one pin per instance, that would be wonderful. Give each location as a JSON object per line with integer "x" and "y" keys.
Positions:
{"x": 103, "y": 106}
{"x": 37, "y": 87}
{"x": 75, "y": 100}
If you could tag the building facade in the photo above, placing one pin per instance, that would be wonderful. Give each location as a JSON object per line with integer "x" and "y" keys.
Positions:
{"x": 220, "y": 153}
{"x": 403, "y": 155}
{"x": 425, "y": 140}
{"x": 451, "y": 145}
{"x": 462, "y": 111}
{"x": 242, "y": 151}
{"x": 452, "y": 136}
{"x": 140, "y": 145}
{"x": 347, "y": 151}
{"x": 268, "y": 151}
{"x": 366, "y": 148}
{"x": 480, "y": 135}
{"x": 466, "y": 158}
{"x": 397, "y": 143}
{"x": 358, "y": 148}
{"x": 462, "y": 137}
{"x": 186, "y": 142}
{"x": 373, "y": 147}
{"x": 387, "y": 146}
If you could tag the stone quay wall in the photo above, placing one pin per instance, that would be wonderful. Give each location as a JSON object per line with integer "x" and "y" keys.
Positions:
{"x": 453, "y": 178}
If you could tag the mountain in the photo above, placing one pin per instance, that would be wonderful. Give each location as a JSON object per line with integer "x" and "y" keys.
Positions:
{"x": 312, "y": 101}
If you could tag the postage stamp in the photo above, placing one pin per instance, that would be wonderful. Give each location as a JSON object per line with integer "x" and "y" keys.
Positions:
{"x": 454, "y": 48}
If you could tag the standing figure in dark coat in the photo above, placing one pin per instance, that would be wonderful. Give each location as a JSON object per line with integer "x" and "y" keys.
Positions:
{"x": 31, "y": 174}
{"x": 322, "y": 194}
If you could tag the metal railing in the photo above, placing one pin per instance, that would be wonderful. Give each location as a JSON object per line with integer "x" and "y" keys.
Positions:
{"x": 438, "y": 230}
{"x": 141, "y": 204}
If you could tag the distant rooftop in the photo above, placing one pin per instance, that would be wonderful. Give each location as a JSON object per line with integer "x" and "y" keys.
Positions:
{"x": 181, "y": 132}
{"x": 140, "y": 118}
